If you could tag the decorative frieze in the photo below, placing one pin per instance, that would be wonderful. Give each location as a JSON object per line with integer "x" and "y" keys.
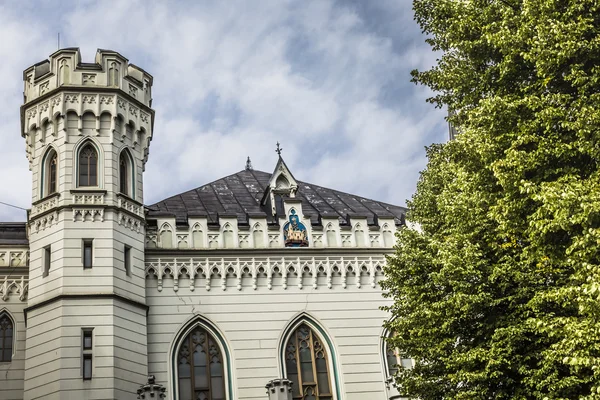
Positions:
{"x": 94, "y": 199}
{"x": 129, "y": 222}
{"x": 14, "y": 285}
{"x": 88, "y": 214}
{"x": 44, "y": 222}
{"x": 14, "y": 258}
{"x": 88, "y": 79}
{"x": 331, "y": 238}
{"x": 318, "y": 271}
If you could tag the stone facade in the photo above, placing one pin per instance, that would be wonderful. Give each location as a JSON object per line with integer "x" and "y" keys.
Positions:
{"x": 102, "y": 291}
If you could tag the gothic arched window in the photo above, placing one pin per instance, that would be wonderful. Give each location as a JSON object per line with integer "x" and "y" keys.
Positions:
{"x": 307, "y": 366}
{"x": 6, "y": 338}
{"x": 200, "y": 369}
{"x": 88, "y": 166}
{"x": 125, "y": 174}
{"x": 50, "y": 173}
{"x": 394, "y": 360}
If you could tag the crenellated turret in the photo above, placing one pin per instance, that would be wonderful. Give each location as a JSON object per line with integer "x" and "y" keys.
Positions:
{"x": 87, "y": 128}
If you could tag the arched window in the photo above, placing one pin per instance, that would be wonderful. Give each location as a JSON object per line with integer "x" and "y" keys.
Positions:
{"x": 306, "y": 363}
{"x": 50, "y": 173}
{"x": 6, "y": 338}
{"x": 88, "y": 166}
{"x": 126, "y": 174}
{"x": 394, "y": 360}
{"x": 200, "y": 367}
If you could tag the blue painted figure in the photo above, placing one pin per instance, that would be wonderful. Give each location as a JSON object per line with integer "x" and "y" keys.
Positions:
{"x": 294, "y": 232}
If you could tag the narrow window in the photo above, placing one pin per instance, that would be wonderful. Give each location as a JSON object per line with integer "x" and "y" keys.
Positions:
{"x": 86, "y": 353}
{"x": 123, "y": 174}
{"x": 6, "y": 338}
{"x": 127, "y": 260}
{"x": 87, "y": 339}
{"x": 87, "y": 253}
{"x": 52, "y": 173}
{"x": 47, "y": 260}
{"x": 88, "y": 166}
{"x": 307, "y": 365}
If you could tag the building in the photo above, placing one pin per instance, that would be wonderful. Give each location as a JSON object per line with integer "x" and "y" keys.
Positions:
{"x": 215, "y": 291}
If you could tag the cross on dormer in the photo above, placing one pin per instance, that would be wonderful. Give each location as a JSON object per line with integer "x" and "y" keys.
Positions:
{"x": 279, "y": 149}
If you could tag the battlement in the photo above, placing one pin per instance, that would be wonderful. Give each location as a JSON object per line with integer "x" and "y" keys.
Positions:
{"x": 65, "y": 69}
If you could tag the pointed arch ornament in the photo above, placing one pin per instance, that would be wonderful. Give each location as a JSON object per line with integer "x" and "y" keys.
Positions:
{"x": 296, "y": 332}
{"x": 214, "y": 344}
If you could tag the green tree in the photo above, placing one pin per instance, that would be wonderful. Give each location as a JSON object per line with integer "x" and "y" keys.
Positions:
{"x": 497, "y": 295}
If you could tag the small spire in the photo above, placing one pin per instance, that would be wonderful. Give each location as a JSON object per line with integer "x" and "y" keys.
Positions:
{"x": 249, "y": 164}
{"x": 279, "y": 149}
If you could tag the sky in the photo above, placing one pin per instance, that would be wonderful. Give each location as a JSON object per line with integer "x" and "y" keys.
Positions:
{"x": 329, "y": 80}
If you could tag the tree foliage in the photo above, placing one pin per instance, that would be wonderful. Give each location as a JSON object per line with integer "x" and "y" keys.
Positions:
{"x": 497, "y": 296}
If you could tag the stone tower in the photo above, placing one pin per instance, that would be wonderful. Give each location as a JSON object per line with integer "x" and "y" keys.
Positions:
{"x": 87, "y": 128}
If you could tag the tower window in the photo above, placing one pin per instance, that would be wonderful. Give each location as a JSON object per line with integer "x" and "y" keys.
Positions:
{"x": 87, "y": 253}
{"x": 127, "y": 260}
{"x": 86, "y": 353}
{"x": 6, "y": 338}
{"x": 47, "y": 260}
{"x": 123, "y": 169}
{"x": 88, "y": 166}
{"x": 52, "y": 175}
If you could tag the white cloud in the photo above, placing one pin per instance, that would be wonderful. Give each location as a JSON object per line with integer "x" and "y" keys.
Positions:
{"x": 232, "y": 78}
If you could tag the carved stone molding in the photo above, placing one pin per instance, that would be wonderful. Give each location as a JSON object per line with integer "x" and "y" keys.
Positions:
{"x": 14, "y": 285}
{"x": 43, "y": 206}
{"x": 94, "y": 199}
{"x": 88, "y": 214}
{"x": 14, "y": 258}
{"x": 44, "y": 222}
{"x": 206, "y": 270}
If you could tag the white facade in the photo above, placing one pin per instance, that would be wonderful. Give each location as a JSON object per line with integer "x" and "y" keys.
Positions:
{"x": 153, "y": 278}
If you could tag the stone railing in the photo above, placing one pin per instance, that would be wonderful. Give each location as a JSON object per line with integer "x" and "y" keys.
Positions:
{"x": 88, "y": 198}
{"x": 43, "y": 206}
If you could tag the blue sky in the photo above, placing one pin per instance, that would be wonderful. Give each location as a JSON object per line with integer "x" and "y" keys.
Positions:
{"x": 330, "y": 80}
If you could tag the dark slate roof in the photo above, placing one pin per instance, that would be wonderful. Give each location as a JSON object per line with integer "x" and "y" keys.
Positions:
{"x": 240, "y": 194}
{"x": 13, "y": 234}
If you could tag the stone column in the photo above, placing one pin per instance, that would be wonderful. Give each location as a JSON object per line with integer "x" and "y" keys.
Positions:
{"x": 279, "y": 389}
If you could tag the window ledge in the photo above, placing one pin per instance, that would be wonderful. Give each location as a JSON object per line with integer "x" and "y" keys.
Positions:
{"x": 91, "y": 189}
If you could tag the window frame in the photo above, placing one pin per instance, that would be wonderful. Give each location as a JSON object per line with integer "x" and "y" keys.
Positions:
{"x": 47, "y": 260}
{"x": 210, "y": 339}
{"x": 87, "y": 354}
{"x": 48, "y": 177}
{"x": 88, "y": 144}
{"x": 127, "y": 259}
{"x": 87, "y": 243}
{"x": 11, "y": 321}
{"x": 326, "y": 340}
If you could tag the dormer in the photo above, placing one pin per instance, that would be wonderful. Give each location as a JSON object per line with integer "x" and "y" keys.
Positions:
{"x": 282, "y": 184}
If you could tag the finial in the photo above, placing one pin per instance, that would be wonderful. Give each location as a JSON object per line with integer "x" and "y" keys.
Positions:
{"x": 249, "y": 164}
{"x": 279, "y": 149}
